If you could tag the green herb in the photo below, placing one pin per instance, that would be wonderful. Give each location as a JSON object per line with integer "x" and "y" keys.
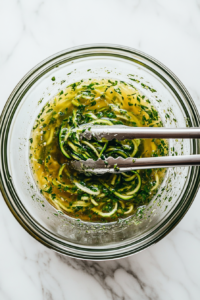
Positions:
{"x": 134, "y": 80}
{"x": 40, "y": 101}
{"x": 40, "y": 161}
{"x": 93, "y": 103}
{"x": 113, "y": 83}
{"x": 49, "y": 190}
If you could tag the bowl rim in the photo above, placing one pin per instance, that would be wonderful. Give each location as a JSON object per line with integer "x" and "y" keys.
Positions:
{"x": 18, "y": 210}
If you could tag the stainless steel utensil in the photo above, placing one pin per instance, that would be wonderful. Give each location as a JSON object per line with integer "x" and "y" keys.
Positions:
{"x": 121, "y": 132}
{"x": 119, "y": 165}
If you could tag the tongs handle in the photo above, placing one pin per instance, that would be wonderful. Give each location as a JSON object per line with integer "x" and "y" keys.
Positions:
{"x": 121, "y": 132}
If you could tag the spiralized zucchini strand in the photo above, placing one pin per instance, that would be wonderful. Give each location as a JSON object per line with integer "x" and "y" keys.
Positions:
{"x": 85, "y": 189}
{"x": 120, "y": 196}
{"x": 136, "y": 144}
{"x": 80, "y": 203}
{"x": 137, "y": 187}
{"x": 129, "y": 210}
{"x": 106, "y": 214}
{"x": 94, "y": 202}
{"x": 130, "y": 178}
{"x": 91, "y": 146}
{"x": 101, "y": 121}
{"x": 50, "y": 137}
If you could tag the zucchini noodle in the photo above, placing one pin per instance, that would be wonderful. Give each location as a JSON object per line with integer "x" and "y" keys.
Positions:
{"x": 106, "y": 214}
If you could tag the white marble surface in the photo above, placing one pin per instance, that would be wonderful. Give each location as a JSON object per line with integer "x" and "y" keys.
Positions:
{"x": 29, "y": 32}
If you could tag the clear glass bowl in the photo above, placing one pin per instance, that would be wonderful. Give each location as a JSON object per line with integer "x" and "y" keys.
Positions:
{"x": 62, "y": 233}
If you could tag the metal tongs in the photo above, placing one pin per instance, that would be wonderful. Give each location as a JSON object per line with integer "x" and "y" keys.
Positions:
{"x": 121, "y": 132}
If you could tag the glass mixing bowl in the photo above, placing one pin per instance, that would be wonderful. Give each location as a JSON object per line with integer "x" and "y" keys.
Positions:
{"x": 62, "y": 233}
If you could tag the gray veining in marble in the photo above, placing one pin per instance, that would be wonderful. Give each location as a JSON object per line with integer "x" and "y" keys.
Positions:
{"x": 31, "y": 31}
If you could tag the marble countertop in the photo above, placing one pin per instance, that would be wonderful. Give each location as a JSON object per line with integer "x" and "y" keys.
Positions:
{"x": 31, "y": 31}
